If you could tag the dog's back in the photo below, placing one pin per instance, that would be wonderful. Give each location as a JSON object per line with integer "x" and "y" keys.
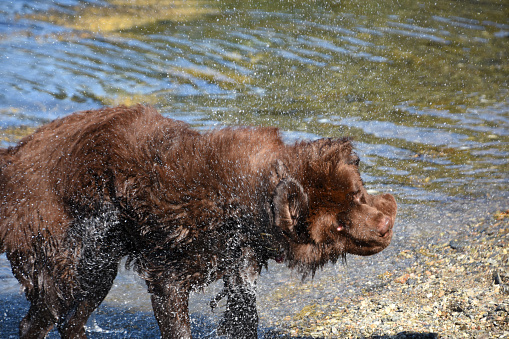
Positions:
{"x": 66, "y": 166}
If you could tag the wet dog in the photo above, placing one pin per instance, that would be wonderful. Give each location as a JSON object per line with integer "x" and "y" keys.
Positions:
{"x": 185, "y": 208}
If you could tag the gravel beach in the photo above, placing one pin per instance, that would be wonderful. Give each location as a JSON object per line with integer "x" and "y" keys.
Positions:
{"x": 456, "y": 289}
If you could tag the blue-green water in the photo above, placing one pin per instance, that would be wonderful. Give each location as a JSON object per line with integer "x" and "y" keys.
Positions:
{"x": 422, "y": 88}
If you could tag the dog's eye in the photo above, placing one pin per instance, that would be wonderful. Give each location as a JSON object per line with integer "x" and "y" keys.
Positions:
{"x": 358, "y": 197}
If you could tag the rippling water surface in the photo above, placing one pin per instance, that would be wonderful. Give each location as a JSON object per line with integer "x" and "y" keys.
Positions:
{"x": 422, "y": 88}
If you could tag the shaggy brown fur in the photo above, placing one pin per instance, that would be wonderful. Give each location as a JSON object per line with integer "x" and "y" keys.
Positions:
{"x": 185, "y": 208}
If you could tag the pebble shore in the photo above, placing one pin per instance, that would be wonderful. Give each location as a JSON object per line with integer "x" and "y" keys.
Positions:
{"x": 456, "y": 289}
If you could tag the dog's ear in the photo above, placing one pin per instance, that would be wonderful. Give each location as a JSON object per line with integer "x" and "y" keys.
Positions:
{"x": 289, "y": 203}
{"x": 279, "y": 171}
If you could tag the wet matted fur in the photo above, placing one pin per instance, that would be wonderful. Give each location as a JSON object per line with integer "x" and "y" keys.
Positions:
{"x": 186, "y": 208}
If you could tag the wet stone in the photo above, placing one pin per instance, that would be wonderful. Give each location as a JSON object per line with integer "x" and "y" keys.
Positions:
{"x": 458, "y": 245}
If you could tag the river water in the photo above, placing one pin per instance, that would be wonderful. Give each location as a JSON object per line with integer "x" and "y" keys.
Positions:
{"x": 422, "y": 87}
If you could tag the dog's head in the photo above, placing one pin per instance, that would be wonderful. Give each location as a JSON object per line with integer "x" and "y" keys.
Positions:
{"x": 322, "y": 208}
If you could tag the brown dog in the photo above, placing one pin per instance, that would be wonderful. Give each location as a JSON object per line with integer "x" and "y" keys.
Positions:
{"x": 185, "y": 208}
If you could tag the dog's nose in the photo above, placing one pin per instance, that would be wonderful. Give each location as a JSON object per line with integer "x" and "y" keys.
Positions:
{"x": 384, "y": 226}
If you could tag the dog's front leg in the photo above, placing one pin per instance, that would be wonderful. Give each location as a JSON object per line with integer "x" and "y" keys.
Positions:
{"x": 241, "y": 317}
{"x": 170, "y": 304}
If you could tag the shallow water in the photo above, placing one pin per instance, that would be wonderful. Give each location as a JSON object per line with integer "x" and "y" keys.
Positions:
{"x": 422, "y": 88}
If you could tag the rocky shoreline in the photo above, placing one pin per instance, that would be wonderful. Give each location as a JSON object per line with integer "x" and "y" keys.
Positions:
{"x": 456, "y": 289}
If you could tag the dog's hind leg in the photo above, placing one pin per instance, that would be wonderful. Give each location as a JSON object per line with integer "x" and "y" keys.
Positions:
{"x": 101, "y": 247}
{"x": 72, "y": 324}
{"x": 37, "y": 323}
{"x": 43, "y": 312}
